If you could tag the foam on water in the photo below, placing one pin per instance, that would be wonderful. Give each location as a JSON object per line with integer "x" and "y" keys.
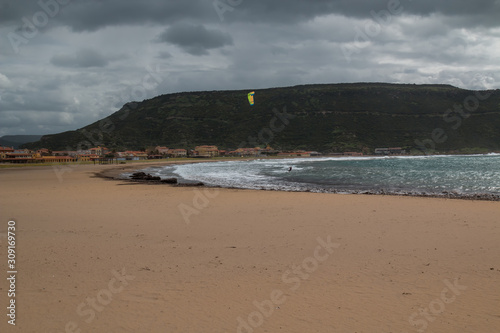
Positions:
{"x": 466, "y": 175}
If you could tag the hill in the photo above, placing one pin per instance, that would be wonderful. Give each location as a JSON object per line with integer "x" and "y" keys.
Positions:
{"x": 326, "y": 117}
{"x": 18, "y": 140}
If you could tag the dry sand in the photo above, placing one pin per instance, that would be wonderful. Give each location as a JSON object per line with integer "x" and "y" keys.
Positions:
{"x": 95, "y": 255}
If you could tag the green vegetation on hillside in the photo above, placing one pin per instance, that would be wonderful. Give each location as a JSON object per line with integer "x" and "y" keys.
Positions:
{"x": 327, "y": 118}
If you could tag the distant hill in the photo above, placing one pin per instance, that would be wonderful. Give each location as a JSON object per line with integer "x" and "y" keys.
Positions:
{"x": 326, "y": 117}
{"x": 17, "y": 140}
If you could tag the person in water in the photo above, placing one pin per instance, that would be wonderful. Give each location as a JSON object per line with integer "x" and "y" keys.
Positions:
{"x": 289, "y": 169}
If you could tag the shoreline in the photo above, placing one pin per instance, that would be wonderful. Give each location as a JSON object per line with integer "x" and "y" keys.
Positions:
{"x": 113, "y": 174}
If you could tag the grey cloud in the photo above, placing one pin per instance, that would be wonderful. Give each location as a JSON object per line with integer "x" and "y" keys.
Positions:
{"x": 35, "y": 122}
{"x": 164, "y": 55}
{"x": 31, "y": 99}
{"x": 452, "y": 8}
{"x": 295, "y": 11}
{"x": 94, "y": 15}
{"x": 195, "y": 39}
{"x": 83, "y": 58}
{"x": 83, "y": 15}
{"x": 4, "y": 81}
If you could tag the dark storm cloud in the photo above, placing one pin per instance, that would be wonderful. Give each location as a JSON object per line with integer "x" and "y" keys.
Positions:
{"x": 292, "y": 11}
{"x": 83, "y": 58}
{"x": 83, "y": 15}
{"x": 195, "y": 39}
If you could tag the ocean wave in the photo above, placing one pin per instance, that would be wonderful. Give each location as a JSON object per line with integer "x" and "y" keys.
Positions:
{"x": 436, "y": 175}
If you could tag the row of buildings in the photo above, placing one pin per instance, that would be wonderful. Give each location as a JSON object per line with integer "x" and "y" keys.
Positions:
{"x": 9, "y": 154}
{"x": 213, "y": 151}
{"x": 390, "y": 151}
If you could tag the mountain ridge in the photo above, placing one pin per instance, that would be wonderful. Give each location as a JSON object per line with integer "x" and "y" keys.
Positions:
{"x": 17, "y": 140}
{"x": 323, "y": 117}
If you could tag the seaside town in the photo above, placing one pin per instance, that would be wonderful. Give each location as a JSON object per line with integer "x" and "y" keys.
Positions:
{"x": 105, "y": 155}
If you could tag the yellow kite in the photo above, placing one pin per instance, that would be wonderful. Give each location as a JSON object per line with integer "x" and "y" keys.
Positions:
{"x": 250, "y": 97}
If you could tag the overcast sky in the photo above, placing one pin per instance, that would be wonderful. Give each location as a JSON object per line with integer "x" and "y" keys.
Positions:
{"x": 67, "y": 63}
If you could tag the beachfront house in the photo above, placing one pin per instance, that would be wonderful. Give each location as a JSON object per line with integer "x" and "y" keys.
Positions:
{"x": 162, "y": 150}
{"x": 389, "y": 151}
{"x": 177, "y": 153}
{"x": 206, "y": 151}
{"x": 87, "y": 157}
{"x": 17, "y": 157}
{"x": 101, "y": 151}
{"x": 56, "y": 159}
{"x": 253, "y": 152}
{"x": 133, "y": 155}
{"x": 246, "y": 152}
{"x": 6, "y": 149}
{"x": 43, "y": 152}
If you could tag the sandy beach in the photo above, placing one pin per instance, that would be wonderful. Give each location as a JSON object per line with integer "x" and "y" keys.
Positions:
{"x": 100, "y": 255}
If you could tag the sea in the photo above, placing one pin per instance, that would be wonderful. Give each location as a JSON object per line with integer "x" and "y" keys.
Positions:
{"x": 455, "y": 176}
